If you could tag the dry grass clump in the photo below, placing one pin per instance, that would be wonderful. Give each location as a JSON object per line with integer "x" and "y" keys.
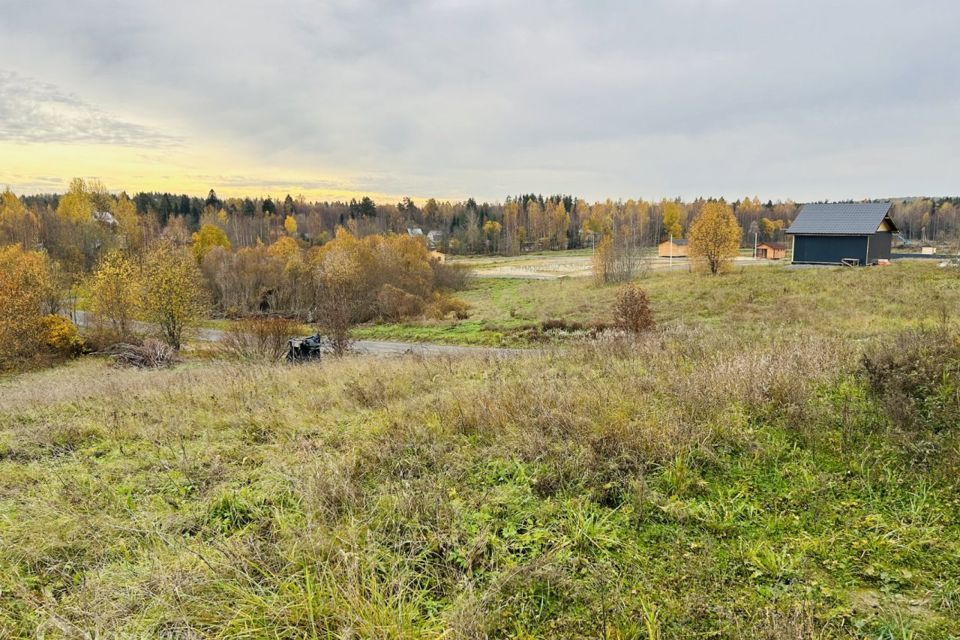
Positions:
{"x": 916, "y": 374}
{"x": 258, "y": 338}
{"x": 632, "y": 310}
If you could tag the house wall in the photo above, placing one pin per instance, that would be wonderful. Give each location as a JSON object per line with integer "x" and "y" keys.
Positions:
{"x": 679, "y": 250}
{"x": 829, "y": 249}
{"x": 880, "y": 244}
{"x": 770, "y": 253}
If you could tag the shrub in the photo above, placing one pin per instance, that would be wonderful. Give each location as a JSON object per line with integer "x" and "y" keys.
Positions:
{"x": 632, "y": 310}
{"x": 449, "y": 277}
{"x": 259, "y": 338}
{"x": 443, "y": 305}
{"x": 916, "y": 376}
{"x": 395, "y": 304}
{"x": 25, "y": 286}
{"x": 566, "y": 326}
{"x": 61, "y": 336}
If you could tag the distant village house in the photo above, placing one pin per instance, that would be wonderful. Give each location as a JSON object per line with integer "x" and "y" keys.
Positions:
{"x": 771, "y": 251}
{"x": 673, "y": 248}
{"x": 434, "y": 238}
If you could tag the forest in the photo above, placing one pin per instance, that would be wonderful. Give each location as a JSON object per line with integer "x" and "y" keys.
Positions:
{"x": 73, "y": 229}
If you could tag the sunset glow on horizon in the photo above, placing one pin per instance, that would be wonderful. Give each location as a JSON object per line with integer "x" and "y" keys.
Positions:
{"x": 451, "y": 100}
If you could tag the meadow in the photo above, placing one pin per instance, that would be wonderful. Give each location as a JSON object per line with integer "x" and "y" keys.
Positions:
{"x": 755, "y": 299}
{"x": 779, "y": 459}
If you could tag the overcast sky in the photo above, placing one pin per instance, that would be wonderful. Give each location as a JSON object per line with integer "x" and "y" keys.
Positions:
{"x": 805, "y": 99}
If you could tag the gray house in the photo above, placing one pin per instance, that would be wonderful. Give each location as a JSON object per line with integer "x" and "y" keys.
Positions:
{"x": 842, "y": 233}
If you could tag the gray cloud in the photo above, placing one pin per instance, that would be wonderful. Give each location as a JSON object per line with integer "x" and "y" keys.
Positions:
{"x": 802, "y": 98}
{"x": 33, "y": 111}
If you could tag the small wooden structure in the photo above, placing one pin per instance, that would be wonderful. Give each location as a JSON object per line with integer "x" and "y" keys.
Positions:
{"x": 771, "y": 251}
{"x": 678, "y": 248}
{"x": 844, "y": 233}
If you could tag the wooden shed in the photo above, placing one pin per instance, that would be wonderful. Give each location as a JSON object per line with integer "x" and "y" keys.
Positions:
{"x": 675, "y": 248}
{"x": 771, "y": 251}
{"x": 844, "y": 233}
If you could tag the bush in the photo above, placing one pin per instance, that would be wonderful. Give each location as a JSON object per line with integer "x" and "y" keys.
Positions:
{"x": 916, "y": 376}
{"x": 259, "y": 338}
{"x": 61, "y": 336}
{"x": 449, "y": 277}
{"x": 442, "y": 305}
{"x": 395, "y": 304}
{"x": 25, "y": 288}
{"x": 632, "y": 310}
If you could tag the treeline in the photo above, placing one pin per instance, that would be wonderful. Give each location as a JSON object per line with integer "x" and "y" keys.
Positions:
{"x": 75, "y": 228}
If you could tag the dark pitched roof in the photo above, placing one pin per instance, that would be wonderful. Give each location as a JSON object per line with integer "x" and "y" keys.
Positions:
{"x": 676, "y": 241}
{"x": 841, "y": 219}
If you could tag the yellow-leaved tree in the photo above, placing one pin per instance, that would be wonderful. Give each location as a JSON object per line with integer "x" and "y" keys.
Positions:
{"x": 17, "y": 223}
{"x": 343, "y": 273}
{"x": 26, "y": 286}
{"x": 125, "y": 213}
{"x": 206, "y": 239}
{"x": 715, "y": 237}
{"x": 284, "y": 247}
{"x": 672, "y": 213}
{"x": 76, "y": 205}
{"x": 114, "y": 290}
{"x": 172, "y": 293}
{"x": 290, "y": 225}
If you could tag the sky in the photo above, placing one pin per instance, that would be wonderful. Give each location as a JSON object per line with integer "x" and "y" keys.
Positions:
{"x": 799, "y": 99}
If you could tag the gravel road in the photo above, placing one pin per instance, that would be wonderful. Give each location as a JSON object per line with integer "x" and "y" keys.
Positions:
{"x": 366, "y": 347}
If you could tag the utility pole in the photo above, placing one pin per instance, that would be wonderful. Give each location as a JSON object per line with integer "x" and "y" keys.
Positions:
{"x": 755, "y": 245}
{"x": 671, "y": 251}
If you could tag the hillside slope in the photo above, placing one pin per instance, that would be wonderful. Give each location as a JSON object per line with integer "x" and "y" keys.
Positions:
{"x": 684, "y": 485}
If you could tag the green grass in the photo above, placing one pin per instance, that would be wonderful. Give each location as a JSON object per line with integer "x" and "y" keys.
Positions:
{"x": 470, "y": 333}
{"x": 691, "y": 484}
{"x": 852, "y": 302}
{"x": 731, "y": 475}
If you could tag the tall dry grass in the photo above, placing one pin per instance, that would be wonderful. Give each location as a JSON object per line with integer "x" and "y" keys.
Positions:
{"x": 572, "y": 490}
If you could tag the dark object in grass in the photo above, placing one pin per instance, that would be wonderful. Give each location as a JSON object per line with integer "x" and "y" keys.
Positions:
{"x": 259, "y": 338}
{"x": 303, "y": 349}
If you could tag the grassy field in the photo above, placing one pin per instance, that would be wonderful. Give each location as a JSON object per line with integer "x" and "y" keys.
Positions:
{"x": 854, "y": 303}
{"x": 739, "y": 473}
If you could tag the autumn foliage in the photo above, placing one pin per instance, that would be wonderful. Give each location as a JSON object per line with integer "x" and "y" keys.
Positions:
{"x": 714, "y": 237}
{"x": 114, "y": 293}
{"x": 27, "y": 329}
{"x": 173, "y": 295}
